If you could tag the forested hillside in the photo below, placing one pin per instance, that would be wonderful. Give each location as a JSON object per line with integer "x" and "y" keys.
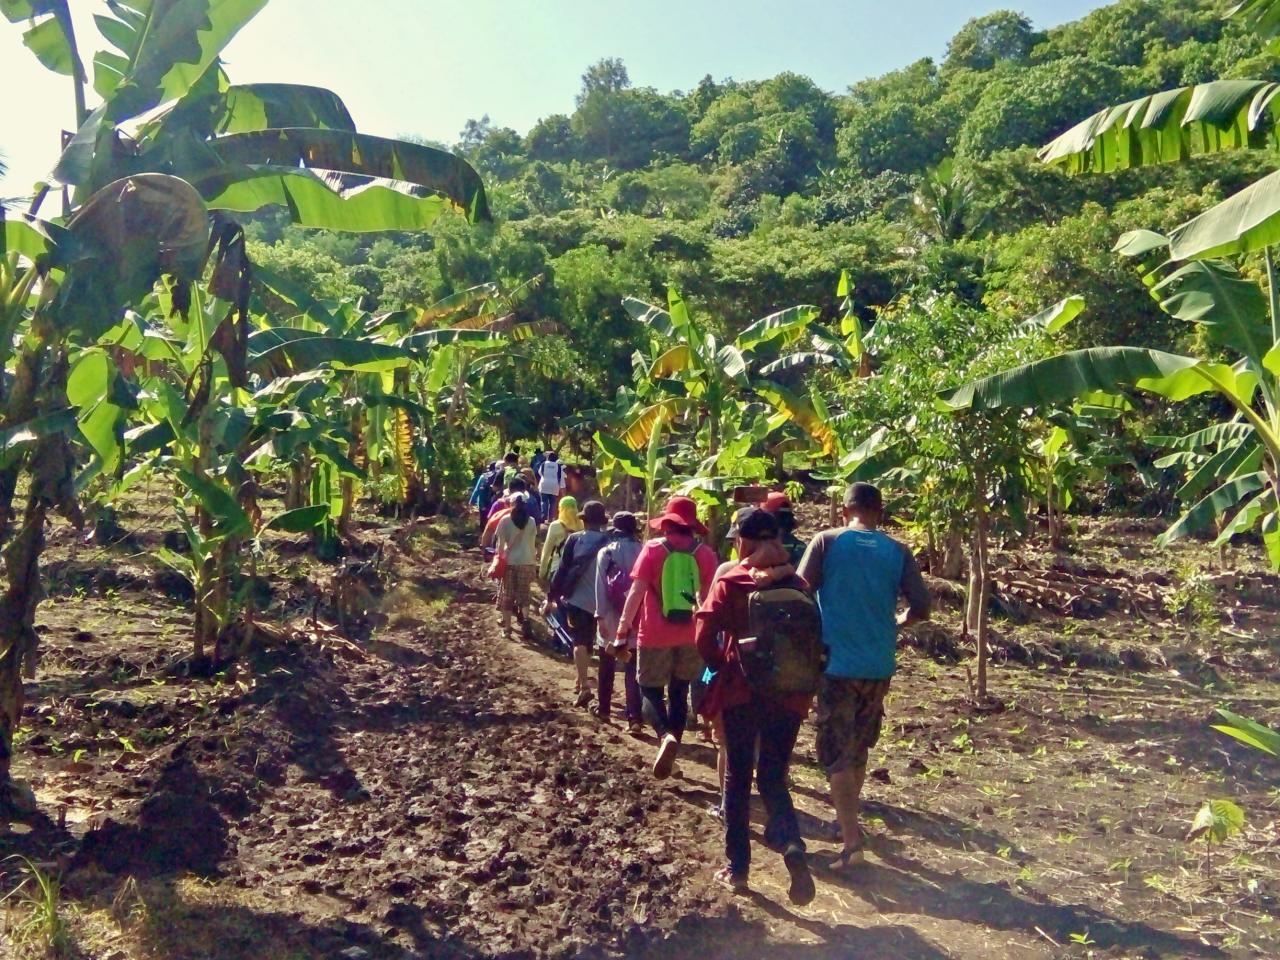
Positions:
{"x": 752, "y": 196}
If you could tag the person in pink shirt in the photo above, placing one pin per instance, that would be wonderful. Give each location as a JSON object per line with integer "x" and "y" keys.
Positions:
{"x": 667, "y": 659}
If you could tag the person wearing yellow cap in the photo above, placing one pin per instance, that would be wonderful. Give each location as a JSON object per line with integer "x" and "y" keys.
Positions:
{"x": 557, "y": 533}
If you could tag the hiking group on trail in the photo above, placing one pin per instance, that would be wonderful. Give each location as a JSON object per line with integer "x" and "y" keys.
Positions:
{"x": 753, "y": 644}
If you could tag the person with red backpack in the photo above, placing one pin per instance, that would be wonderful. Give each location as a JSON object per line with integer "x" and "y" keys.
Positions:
{"x": 761, "y": 633}
{"x": 669, "y": 579}
{"x": 613, "y": 583}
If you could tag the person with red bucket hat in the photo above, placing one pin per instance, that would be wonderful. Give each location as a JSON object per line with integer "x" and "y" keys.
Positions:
{"x": 668, "y": 582}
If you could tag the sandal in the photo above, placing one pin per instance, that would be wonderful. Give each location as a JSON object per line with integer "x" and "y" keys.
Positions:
{"x": 736, "y": 882}
{"x": 849, "y": 857}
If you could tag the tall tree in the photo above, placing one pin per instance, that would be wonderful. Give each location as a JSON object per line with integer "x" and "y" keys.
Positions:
{"x": 607, "y": 75}
{"x": 985, "y": 41}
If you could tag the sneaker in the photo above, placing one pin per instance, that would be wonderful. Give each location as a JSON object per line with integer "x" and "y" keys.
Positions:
{"x": 635, "y": 728}
{"x": 801, "y": 891}
{"x": 584, "y": 698}
{"x": 737, "y": 882}
{"x": 666, "y": 758}
{"x": 717, "y": 811}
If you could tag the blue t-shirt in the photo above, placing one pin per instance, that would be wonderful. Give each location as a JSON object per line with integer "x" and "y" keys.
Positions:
{"x": 859, "y": 575}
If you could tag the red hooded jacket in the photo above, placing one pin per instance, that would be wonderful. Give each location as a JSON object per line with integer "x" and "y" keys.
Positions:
{"x": 725, "y": 610}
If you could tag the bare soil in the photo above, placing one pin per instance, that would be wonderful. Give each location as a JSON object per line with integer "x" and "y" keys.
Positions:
{"x": 423, "y": 788}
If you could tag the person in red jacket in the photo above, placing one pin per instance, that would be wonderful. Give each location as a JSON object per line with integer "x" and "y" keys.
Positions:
{"x": 749, "y": 716}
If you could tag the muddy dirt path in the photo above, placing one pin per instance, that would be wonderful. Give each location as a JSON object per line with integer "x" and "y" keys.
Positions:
{"x": 432, "y": 793}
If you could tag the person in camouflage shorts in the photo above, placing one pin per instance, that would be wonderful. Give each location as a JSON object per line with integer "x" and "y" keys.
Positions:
{"x": 858, "y": 574}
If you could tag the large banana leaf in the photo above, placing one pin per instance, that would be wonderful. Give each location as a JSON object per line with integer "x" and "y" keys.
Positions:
{"x": 306, "y": 350}
{"x": 31, "y": 238}
{"x": 1262, "y": 16}
{"x": 246, "y": 108}
{"x": 215, "y": 107}
{"x": 1170, "y": 126}
{"x": 1054, "y": 318}
{"x": 1066, "y": 377}
{"x": 458, "y": 304}
{"x": 1233, "y": 310}
{"x": 1208, "y": 437}
{"x": 650, "y": 315}
{"x": 784, "y": 323}
{"x": 164, "y": 47}
{"x": 49, "y": 35}
{"x": 125, "y": 237}
{"x": 641, "y": 428}
{"x": 673, "y": 361}
{"x": 1227, "y": 464}
{"x": 630, "y": 460}
{"x": 322, "y": 201}
{"x": 1204, "y": 513}
{"x": 421, "y": 168}
{"x": 802, "y": 413}
{"x": 429, "y": 339}
{"x": 1244, "y": 222}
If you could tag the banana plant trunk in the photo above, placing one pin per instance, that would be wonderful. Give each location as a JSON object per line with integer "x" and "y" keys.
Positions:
{"x": 205, "y": 629}
{"x": 38, "y": 387}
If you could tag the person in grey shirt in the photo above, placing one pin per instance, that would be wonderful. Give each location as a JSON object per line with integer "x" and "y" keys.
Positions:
{"x": 574, "y": 587}
{"x": 614, "y": 564}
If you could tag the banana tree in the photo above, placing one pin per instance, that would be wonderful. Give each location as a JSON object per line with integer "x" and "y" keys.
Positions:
{"x": 1245, "y": 472}
{"x": 700, "y": 384}
{"x": 1191, "y": 284}
{"x": 170, "y": 141}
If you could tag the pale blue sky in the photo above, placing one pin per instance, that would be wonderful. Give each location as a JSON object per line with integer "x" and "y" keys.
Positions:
{"x": 426, "y": 67}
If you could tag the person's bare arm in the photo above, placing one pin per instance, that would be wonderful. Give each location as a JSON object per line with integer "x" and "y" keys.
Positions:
{"x": 708, "y": 622}
{"x": 631, "y": 609}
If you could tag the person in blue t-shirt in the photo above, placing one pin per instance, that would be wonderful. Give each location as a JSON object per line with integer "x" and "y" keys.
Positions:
{"x": 858, "y": 573}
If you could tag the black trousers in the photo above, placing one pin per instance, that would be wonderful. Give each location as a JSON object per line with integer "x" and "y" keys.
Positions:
{"x": 667, "y": 717}
{"x": 775, "y": 729}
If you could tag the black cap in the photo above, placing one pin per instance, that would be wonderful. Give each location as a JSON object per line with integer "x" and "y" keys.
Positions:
{"x": 863, "y": 496}
{"x": 754, "y": 523}
{"x": 594, "y": 513}
{"x": 627, "y": 523}
{"x": 738, "y": 516}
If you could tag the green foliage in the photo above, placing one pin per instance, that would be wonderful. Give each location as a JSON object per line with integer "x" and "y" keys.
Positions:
{"x": 1249, "y": 732}
{"x": 1217, "y": 821}
{"x": 1028, "y": 105}
{"x": 1000, "y": 37}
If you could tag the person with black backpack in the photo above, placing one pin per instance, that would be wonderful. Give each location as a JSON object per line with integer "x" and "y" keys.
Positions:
{"x": 760, "y": 631}
{"x": 574, "y": 588}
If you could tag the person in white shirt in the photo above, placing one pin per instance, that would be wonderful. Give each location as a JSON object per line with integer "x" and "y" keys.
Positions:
{"x": 550, "y": 483}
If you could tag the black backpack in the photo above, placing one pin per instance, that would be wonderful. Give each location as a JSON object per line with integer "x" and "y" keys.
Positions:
{"x": 787, "y": 655}
{"x": 579, "y": 562}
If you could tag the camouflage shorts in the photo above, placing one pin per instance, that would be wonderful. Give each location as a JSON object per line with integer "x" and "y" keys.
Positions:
{"x": 849, "y": 716}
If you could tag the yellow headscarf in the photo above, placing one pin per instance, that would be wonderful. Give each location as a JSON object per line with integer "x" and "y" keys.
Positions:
{"x": 569, "y": 514}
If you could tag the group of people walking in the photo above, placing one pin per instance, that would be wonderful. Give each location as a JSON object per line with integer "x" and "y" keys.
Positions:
{"x": 752, "y": 641}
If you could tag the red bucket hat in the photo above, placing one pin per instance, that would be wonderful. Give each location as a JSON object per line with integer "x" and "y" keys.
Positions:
{"x": 683, "y": 511}
{"x": 777, "y": 501}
